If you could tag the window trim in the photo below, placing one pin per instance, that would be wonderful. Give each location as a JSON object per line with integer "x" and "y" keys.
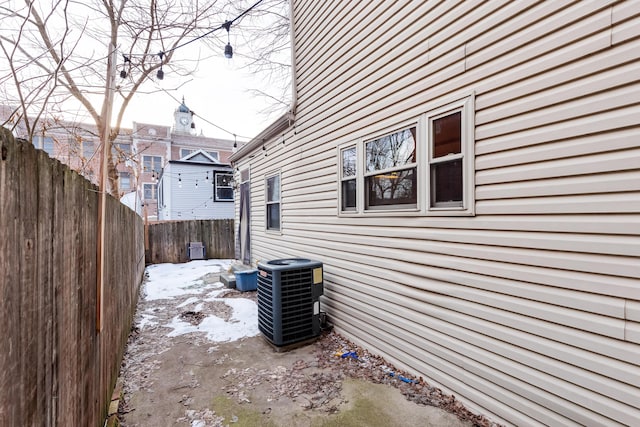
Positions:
{"x": 467, "y": 154}
{"x": 404, "y": 207}
{"x": 423, "y": 164}
{"x": 215, "y": 186}
{"x": 341, "y": 148}
{"x": 152, "y": 187}
{"x": 267, "y": 203}
{"x": 144, "y": 156}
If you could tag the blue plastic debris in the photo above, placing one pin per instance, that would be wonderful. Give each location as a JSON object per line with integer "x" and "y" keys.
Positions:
{"x": 351, "y": 354}
{"x": 400, "y": 377}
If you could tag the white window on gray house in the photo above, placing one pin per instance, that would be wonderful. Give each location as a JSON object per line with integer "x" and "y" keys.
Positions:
{"x": 152, "y": 163}
{"x": 391, "y": 170}
{"x": 348, "y": 186}
{"x": 273, "y": 202}
{"x": 124, "y": 181}
{"x": 223, "y": 190}
{"x": 150, "y": 191}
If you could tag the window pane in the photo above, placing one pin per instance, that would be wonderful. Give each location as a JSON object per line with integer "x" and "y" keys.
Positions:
{"x": 125, "y": 181}
{"x": 447, "y": 136}
{"x": 349, "y": 162}
{"x": 273, "y": 216}
{"x": 394, "y": 188}
{"x": 397, "y": 149}
{"x": 273, "y": 188}
{"x": 185, "y": 152}
{"x": 150, "y": 191}
{"x": 446, "y": 183}
{"x": 225, "y": 180}
{"x": 215, "y": 155}
{"x": 224, "y": 193}
{"x": 349, "y": 195}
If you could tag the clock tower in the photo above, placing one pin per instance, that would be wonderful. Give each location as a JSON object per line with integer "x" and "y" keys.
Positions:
{"x": 183, "y": 119}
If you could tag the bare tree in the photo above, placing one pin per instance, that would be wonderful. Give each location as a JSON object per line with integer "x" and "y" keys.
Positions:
{"x": 263, "y": 42}
{"x": 58, "y": 51}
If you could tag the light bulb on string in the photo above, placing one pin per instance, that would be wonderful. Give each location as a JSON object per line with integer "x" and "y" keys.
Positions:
{"x": 160, "y": 73}
{"x": 179, "y": 181}
{"x": 196, "y": 183}
{"x": 228, "y": 50}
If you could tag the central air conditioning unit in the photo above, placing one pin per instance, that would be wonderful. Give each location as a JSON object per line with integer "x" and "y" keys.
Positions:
{"x": 289, "y": 300}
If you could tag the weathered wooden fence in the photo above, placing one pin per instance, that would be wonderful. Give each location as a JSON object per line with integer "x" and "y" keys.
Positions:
{"x": 168, "y": 241}
{"x": 55, "y": 368}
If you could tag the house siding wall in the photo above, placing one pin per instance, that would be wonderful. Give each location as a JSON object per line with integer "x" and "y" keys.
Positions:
{"x": 528, "y": 312}
{"x": 191, "y": 202}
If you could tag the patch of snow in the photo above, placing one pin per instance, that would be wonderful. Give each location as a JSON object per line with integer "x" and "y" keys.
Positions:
{"x": 185, "y": 281}
{"x": 167, "y": 281}
{"x": 147, "y": 320}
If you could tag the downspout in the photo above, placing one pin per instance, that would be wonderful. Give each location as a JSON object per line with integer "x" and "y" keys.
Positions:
{"x": 294, "y": 83}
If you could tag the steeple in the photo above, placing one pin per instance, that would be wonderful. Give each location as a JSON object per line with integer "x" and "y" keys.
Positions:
{"x": 183, "y": 119}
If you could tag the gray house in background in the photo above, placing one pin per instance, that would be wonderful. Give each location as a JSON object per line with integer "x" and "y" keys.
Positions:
{"x": 469, "y": 174}
{"x": 195, "y": 187}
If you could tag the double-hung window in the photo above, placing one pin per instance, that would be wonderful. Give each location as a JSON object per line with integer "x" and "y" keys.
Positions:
{"x": 391, "y": 170}
{"x": 152, "y": 163}
{"x": 348, "y": 190}
{"x": 223, "y": 187}
{"x": 150, "y": 191}
{"x": 273, "y": 202}
{"x": 425, "y": 167}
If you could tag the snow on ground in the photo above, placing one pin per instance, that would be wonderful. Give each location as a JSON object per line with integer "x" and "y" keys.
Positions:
{"x": 189, "y": 287}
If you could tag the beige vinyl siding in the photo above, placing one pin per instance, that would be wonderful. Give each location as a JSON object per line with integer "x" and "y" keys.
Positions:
{"x": 529, "y": 311}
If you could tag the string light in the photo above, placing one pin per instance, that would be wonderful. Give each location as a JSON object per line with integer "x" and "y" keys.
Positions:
{"x": 160, "y": 73}
{"x": 196, "y": 183}
{"x": 179, "y": 181}
{"x": 235, "y": 141}
{"x": 228, "y": 50}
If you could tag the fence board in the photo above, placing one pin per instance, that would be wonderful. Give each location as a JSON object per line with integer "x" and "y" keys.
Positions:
{"x": 168, "y": 240}
{"x": 55, "y": 368}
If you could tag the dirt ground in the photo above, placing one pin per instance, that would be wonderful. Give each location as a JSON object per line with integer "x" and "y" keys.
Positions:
{"x": 189, "y": 380}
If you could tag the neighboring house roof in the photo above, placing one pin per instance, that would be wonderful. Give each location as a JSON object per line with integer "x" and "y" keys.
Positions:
{"x": 276, "y": 128}
{"x": 199, "y": 156}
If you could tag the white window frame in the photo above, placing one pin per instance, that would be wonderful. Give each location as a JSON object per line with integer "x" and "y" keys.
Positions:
{"x": 122, "y": 175}
{"x": 187, "y": 150}
{"x": 154, "y": 191}
{"x": 215, "y": 155}
{"x": 267, "y": 202}
{"x": 153, "y": 163}
{"x": 391, "y": 207}
{"x": 467, "y": 155}
{"x": 424, "y": 161}
{"x": 342, "y": 178}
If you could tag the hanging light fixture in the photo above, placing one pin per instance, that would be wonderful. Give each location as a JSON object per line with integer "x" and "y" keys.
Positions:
{"x": 196, "y": 183}
{"x": 123, "y": 73}
{"x": 179, "y": 181}
{"x": 160, "y": 73}
{"x": 228, "y": 50}
{"x": 235, "y": 141}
